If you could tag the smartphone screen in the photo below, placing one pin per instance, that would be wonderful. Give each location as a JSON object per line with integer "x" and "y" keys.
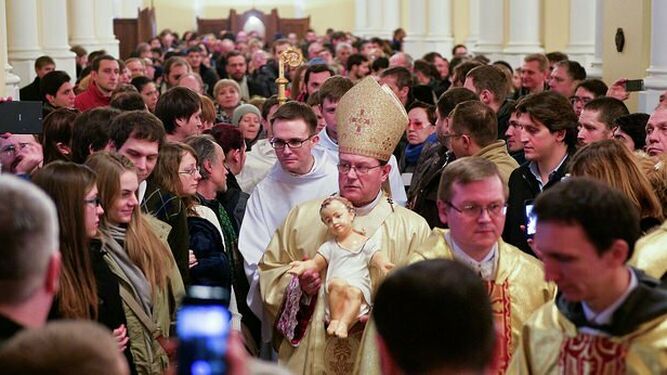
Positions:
{"x": 634, "y": 85}
{"x": 531, "y": 220}
{"x": 21, "y": 117}
{"x": 202, "y": 326}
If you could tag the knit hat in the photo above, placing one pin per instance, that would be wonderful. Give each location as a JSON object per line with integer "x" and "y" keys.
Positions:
{"x": 243, "y": 110}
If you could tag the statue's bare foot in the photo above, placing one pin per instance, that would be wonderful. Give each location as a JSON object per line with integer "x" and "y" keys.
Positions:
{"x": 341, "y": 330}
{"x": 333, "y": 325}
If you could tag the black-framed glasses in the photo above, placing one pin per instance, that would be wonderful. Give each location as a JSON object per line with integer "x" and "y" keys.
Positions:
{"x": 475, "y": 211}
{"x": 280, "y": 144}
{"x": 191, "y": 172}
{"x": 359, "y": 169}
{"x": 95, "y": 202}
{"x": 579, "y": 99}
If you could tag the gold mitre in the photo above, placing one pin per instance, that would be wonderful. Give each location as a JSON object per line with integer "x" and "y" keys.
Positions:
{"x": 371, "y": 120}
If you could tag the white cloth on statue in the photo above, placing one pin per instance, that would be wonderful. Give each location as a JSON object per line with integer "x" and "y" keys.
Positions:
{"x": 268, "y": 206}
{"x": 259, "y": 161}
{"x": 395, "y": 180}
{"x": 351, "y": 266}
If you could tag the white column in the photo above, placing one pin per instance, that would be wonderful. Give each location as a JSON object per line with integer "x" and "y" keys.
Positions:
{"x": 439, "y": 37}
{"x": 299, "y": 8}
{"x": 374, "y": 18}
{"x": 9, "y": 82}
{"x": 391, "y": 18}
{"x": 54, "y": 34}
{"x": 360, "y": 17}
{"x": 596, "y": 64}
{"x": 656, "y": 78}
{"x": 22, "y": 38}
{"x": 491, "y": 29}
{"x": 473, "y": 31}
{"x": 126, "y": 8}
{"x": 524, "y": 30}
{"x": 81, "y": 16}
{"x": 581, "y": 47}
{"x": 104, "y": 27}
{"x": 414, "y": 41}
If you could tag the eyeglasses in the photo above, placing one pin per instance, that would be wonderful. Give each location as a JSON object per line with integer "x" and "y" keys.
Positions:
{"x": 474, "y": 211}
{"x": 359, "y": 169}
{"x": 191, "y": 172}
{"x": 279, "y": 144}
{"x": 95, "y": 202}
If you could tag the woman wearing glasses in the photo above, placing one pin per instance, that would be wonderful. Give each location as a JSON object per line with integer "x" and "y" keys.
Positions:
{"x": 419, "y": 132}
{"x": 88, "y": 288}
{"x": 150, "y": 287}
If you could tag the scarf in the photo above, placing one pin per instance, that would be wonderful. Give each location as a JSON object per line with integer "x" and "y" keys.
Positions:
{"x": 412, "y": 152}
{"x": 140, "y": 285}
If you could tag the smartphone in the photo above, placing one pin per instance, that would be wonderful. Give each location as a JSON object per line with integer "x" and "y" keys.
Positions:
{"x": 531, "y": 220}
{"x": 18, "y": 117}
{"x": 203, "y": 324}
{"x": 634, "y": 85}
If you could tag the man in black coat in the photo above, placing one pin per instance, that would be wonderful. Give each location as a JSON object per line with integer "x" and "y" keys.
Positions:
{"x": 43, "y": 65}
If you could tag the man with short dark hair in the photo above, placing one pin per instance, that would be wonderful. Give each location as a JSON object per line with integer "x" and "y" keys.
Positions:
{"x": 596, "y": 121}
{"x": 180, "y": 111}
{"x": 471, "y": 201}
{"x": 90, "y": 132}
{"x": 315, "y": 77}
{"x": 459, "y": 50}
{"x": 423, "y": 193}
{"x": 195, "y": 56}
{"x": 491, "y": 84}
{"x": 43, "y": 65}
{"x": 174, "y": 68}
{"x": 30, "y": 266}
{"x": 586, "y": 91}
{"x": 357, "y": 67}
{"x": 104, "y": 78}
{"x": 450, "y": 298}
{"x": 138, "y": 135}
{"x": 302, "y": 173}
{"x": 56, "y": 91}
{"x": 608, "y": 318}
{"x": 399, "y": 80}
{"x": 548, "y": 132}
{"x": 473, "y": 132}
{"x": 565, "y": 77}
{"x": 237, "y": 69}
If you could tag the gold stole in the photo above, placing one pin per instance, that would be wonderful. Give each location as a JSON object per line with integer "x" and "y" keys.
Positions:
{"x": 593, "y": 355}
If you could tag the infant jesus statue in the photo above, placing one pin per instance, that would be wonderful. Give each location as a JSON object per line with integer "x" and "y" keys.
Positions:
{"x": 347, "y": 257}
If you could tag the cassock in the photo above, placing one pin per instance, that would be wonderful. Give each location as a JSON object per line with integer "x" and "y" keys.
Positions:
{"x": 258, "y": 163}
{"x": 395, "y": 180}
{"x": 516, "y": 291}
{"x": 268, "y": 206}
{"x": 308, "y": 349}
{"x": 650, "y": 255}
{"x": 558, "y": 339}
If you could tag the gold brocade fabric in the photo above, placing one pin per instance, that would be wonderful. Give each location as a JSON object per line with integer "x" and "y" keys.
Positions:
{"x": 301, "y": 235}
{"x": 371, "y": 120}
{"x": 518, "y": 290}
{"x": 650, "y": 253}
{"x": 551, "y": 344}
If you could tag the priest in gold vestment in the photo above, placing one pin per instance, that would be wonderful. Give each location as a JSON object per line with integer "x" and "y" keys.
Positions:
{"x": 608, "y": 318}
{"x": 651, "y": 253}
{"x": 471, "y": 200}
{"x": 370, "y": 123}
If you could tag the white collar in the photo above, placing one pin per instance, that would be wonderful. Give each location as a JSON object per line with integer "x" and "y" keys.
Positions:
{"x": 364, "y": 210}
{"x": 535, "y": 170}
{"x": 486, "y": 268}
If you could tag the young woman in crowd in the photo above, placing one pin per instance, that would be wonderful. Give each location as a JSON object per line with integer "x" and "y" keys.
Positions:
{"x": 56, "y": 137}
{"x": 227, "y": 95}
{"x": 611, "y": 162}
{"x": 148, "y": 91}
{"x": 248, "y": 119}
{"x": 136, "y": 252}
{"x": 88, "y": 289}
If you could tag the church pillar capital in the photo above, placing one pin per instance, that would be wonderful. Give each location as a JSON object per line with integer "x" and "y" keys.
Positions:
{"x": 22, "y": 38}
{"x": 491, "y": 29}
{"x": 581, "y": 45}
{"x": 82, "y": 24}
{"x": 103, "y": 13}
{"x": 524, "y": 30}
{"x": 439, "y": 37}
{"x": 473, "y": 21}
{"x": 9, "y": 82}
{"x": 54, "y": 34}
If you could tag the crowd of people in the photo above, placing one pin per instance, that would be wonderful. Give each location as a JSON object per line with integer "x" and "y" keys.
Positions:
{"x": 519, "y": 211}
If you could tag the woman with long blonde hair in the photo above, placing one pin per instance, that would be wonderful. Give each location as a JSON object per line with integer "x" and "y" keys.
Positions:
{"x": 611, "y": 162}
{"x": 150, "y": 286}
{"x": 88, "y": 290}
